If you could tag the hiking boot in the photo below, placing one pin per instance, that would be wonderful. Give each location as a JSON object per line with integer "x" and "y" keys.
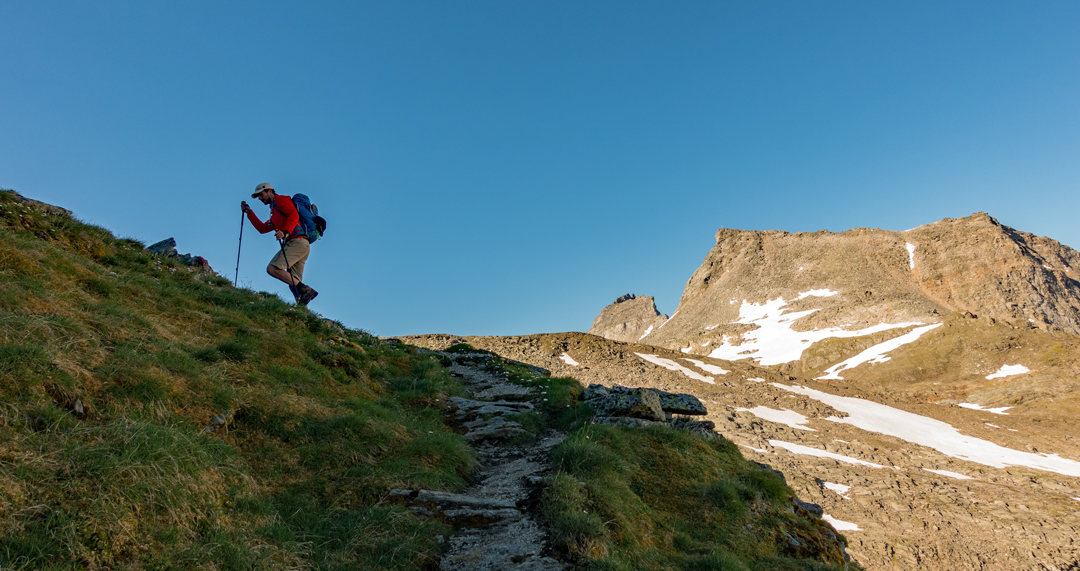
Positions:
{"x": 307, "y": 293}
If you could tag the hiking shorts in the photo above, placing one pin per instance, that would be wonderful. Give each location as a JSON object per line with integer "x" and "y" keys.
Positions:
{"x": 296, "y": 251}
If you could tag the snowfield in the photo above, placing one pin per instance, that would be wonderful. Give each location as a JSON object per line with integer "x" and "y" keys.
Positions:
{"x": 932, "y": 433}
{"x": 673, "y": 366}
{"x": 876, "y": 354}
{"x": 806, "y": 450}
{"x": 774, "y": 341}
{"x": 1008, "y": 371}
{"x": 707, "y": 367}
{"x": 787, "y": 417}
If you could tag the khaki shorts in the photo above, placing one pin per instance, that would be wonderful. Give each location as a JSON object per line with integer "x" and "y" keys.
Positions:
{"x": 296, "y": 251}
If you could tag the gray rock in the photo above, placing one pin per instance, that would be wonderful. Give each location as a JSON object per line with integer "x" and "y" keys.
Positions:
{"x": 814, "y": 509}
{"x": 623, "y": 401}
{"x": 467, "y": 407}
{"x": 680, "y": 403}
{"x": 671, "y": 403}
{"x": 493, "y": 428}
{"x": 163, "y": 248}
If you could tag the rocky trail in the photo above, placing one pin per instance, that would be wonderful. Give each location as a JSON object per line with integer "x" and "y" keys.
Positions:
{"x": 494, "y": 526}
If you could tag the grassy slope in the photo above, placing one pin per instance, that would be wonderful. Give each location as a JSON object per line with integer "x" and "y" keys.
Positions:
{"x": 320, "y": 420}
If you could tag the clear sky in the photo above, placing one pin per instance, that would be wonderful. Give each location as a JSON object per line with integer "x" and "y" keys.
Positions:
{"x": 511, "y": 167}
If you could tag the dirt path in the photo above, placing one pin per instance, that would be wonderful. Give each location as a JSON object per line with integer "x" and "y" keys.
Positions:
{"x": 494, "y": 528}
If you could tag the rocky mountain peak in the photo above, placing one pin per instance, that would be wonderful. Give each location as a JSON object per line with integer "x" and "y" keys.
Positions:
{"x": 628, "y": 318}
{"x": 863, "y": 279}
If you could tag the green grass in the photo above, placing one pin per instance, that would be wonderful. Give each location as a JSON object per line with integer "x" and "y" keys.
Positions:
{"x": 321, "y": 420}
{"x": 657, "y": 498}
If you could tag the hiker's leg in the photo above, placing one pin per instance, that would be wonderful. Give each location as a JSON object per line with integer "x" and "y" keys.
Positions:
{"x": 281, "y": 274}
{"x": 296, "y": 252}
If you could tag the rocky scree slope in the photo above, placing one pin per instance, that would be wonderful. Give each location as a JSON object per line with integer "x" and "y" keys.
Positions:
{"x": 912, "y": 482}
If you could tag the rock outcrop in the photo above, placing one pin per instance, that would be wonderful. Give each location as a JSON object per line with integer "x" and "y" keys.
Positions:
{"x": 629, "y": 318}
{"x": 167, "y": 249}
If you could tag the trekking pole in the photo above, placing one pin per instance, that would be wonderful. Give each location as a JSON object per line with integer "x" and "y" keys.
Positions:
{"x": 237, "y": 278}
{"x": 296, "y": 294}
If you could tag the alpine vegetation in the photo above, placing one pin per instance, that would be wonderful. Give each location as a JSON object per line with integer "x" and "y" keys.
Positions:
{"x": 153, "y": 416}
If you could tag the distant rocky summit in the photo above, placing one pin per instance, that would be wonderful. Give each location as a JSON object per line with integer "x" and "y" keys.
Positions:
{"x": 628, "y": 319}
{"x": 757, "y": 290}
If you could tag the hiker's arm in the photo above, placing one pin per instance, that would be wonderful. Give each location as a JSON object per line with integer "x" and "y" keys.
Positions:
{"x": 262, "y": 227}
{"x": 292, "y": 218}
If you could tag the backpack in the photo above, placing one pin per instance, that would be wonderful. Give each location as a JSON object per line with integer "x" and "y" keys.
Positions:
{"x": 311, "y": 224}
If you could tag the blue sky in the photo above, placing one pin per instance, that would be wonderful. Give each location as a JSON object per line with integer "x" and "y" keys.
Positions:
{"x": 513, "y": 167}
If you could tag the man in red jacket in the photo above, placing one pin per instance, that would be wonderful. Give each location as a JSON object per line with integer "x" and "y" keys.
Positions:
{"x": 288, "y": 264}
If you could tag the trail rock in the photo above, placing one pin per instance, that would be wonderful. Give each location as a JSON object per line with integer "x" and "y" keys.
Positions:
{"x": 467, "y": 407}
{"x": 494, "y": 428}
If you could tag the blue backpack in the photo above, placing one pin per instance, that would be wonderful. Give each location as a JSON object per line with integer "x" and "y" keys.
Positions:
{"x": 311, "y": 224}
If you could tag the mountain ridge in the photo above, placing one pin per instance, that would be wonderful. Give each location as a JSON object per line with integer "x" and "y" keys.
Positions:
{"x": 864, "y": 277}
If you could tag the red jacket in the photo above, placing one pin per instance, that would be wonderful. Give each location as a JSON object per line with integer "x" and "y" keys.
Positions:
{"x": 283, "y": 216}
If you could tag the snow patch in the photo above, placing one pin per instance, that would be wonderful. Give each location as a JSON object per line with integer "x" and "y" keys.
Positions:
{"x": 785, "y": 416}
{"x": 756, "y": 379}
{"x": 876, "y": 354}
{"x": 711, "y": 327}
{"x": 774, "y": 341}
{"x": 800, "y": 449}
{"x": 840, "y": 489}
{"x": 707, "y": 367}
{"x": 817, "y": 293}
{"x": 669, "y": 319}
{"x": 949, "y": 474}
{"x": 840, "y": 525}
{"x": 673, "y": 366}
{"x": 1008, "y": 371}
{"x": 998, "y": 410}
{"x": 646, "y": 334}
{"x": 756, "y": 449}
{"x": 569, "y": 360}
{"x": 911, "y": 254}
{"x": 932, "y": 433}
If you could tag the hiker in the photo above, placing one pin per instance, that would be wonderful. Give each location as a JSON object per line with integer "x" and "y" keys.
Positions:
{"x": 288, "y": 264}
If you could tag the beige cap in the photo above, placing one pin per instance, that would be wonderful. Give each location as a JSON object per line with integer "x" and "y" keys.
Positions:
{"x": 260, "y": 188}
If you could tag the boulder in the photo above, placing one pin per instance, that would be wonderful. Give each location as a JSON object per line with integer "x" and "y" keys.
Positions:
{"x": 600, "y": 398}
{"x": 623, "y": 401}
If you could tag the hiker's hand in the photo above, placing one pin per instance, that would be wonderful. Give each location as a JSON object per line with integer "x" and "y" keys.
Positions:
{"x": 279, "y": 234}
{"x": 243, "y": 206}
